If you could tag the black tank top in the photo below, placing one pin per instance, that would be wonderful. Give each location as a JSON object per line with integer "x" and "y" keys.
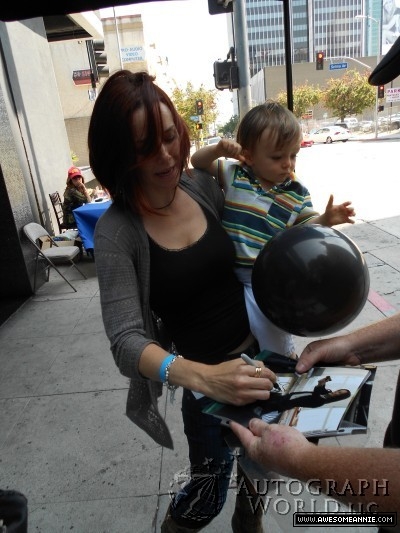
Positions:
{"x": 197, "y": 295}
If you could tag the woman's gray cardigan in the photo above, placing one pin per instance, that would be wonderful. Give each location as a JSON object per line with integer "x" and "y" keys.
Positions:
{"x": 123, "y": 268}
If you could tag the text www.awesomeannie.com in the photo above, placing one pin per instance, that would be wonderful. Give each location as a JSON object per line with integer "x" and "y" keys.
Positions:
{"x": 345, "y": 519}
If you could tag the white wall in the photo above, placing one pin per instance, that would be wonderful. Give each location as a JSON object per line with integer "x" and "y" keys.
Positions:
{"x": 38, "y": 115}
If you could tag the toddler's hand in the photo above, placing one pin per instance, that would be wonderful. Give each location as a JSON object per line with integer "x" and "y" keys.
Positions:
{"x": 230, "y": 148}
{"x": 338, "y": 214}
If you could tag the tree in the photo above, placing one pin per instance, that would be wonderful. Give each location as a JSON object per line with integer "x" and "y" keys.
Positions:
{"x": 349, "y": 95}
{"x": 185, "y": 103}
{"x": 231, "y": 126}
{"x": 304, "y": 98}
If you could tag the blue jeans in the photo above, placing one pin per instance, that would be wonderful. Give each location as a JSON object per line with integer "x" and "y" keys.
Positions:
{"x": 211, "y": 462}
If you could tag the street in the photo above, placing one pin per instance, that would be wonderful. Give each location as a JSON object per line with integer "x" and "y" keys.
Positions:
{"x": 364, "y": 172}
{"x": 70, "y": 404}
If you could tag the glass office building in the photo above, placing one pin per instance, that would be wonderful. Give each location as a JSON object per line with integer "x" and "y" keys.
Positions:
{"x": 328, "y": 26}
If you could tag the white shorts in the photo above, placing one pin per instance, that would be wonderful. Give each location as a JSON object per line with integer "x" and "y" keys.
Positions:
{"x": 269, "y": 336}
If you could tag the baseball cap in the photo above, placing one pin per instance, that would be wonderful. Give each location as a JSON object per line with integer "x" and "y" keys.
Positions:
{"x": 388, "y": 68}
{"x": 73, "y": 172}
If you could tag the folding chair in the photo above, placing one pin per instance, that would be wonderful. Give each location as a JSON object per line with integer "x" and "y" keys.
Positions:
{"x": 61, "y": 254}
{"x": 56, "y": 202}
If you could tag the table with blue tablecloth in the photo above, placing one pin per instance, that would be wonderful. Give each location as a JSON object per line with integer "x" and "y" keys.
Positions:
{"x": 86, "y": 218}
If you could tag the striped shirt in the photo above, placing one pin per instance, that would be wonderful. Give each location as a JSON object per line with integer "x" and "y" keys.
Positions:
{"x": 253, "y": 216}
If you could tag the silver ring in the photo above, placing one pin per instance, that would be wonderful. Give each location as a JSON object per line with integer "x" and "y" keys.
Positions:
{"x": 258, "y": 372}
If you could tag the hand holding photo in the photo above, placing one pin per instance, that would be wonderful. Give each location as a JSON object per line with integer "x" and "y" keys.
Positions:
{"x": 306, "y": 403}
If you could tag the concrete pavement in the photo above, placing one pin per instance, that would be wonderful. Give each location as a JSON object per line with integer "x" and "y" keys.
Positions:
{"x": 66, "y": 443}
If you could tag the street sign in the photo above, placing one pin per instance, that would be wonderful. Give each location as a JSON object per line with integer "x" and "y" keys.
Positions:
{"x": 308, "y": 114}
{"x": 337, "y": 66}
{"x": 129, "y": 54}
{"x": 393, "y": 94}
{"x": 92, "y": 93}
{"x": 81, "y": 77}
{"x": 195, "y": 118}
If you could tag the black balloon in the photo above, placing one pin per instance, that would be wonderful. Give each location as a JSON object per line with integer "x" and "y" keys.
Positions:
{"x": 310, "y": 280}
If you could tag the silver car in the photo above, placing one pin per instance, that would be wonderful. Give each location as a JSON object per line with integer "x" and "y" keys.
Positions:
{"x": 330, "y": 134}
{"x": 212, "y": 140}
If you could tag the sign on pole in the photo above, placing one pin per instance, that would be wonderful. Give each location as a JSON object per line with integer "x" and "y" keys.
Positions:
{"x": 337, "y": 66}
{"x": 308, "y": 114}
{"x": 393, "y": 94}
{"x": 195, "y": 118}
{"x": 129, "y": 54}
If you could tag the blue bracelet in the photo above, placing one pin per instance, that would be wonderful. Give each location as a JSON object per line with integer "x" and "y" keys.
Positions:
{"x": 163, "y": 367}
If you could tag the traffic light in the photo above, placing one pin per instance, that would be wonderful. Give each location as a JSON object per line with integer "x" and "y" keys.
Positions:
{"x": 199, "y": 126}
{"x": 100, "y": 59}
{"x": 199, "y": 107}
{"x": 319, "y": 60}
{"x": 97, "y": 60}
{"x": 216, "y": 7}
{"x": 381, "y": 91}
{"x": 226, "y": 74}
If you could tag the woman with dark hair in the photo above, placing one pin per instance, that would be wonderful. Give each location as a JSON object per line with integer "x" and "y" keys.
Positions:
{"x": 75, "y": 195}
{"x": 172, "y": 307}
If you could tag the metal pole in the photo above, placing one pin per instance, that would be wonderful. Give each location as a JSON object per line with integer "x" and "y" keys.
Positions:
{"x": 288, "y": 54}
{"x": 378, "y": 58}
{"x": 377, "y": 62}
{"x": 376, "y": 112}
{"x": 118, "y": 43}
{"x": 92, "y": 63}
{"x": 242, "y": 54}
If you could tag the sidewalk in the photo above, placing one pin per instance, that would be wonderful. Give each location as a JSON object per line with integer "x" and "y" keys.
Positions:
{"x": 370, "y": 136}
{"x": 67, "y": 444}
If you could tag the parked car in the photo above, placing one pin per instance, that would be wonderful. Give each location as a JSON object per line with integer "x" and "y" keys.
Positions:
{"x": 306, "y": 142}
{"x": 351, "y": 123}
{"x": 212, "y": 140}
{"x": 330, "y": 134}
{"x": 395, "y": 122}
{"x": 367, "y": 126}
{"x": 342, "y": 124}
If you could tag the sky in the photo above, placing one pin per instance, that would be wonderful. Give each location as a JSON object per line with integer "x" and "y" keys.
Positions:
{"x": 191, "y": 39}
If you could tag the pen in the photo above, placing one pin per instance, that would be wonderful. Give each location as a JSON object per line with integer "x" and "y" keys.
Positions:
{"x": 249, "y": 361}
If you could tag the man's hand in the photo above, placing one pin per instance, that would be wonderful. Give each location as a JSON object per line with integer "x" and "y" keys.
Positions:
{"x": 273, "y": 446}
{"x": 336, "y": 350}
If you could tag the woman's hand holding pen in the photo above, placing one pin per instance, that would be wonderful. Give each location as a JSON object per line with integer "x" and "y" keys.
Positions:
{"x": 253, "y": 362}
{"x": 233, "y": 382}
{"x": 238, "y": 383}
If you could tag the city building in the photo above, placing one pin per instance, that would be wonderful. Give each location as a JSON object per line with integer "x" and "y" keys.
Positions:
{"x": 328, "y": 26}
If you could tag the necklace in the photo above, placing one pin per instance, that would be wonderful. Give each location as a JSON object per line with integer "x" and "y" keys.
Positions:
{"x": 169, "y": 203}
